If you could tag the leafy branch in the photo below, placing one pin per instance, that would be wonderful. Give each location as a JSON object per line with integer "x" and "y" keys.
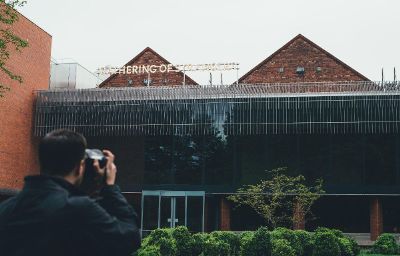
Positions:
{"x": 275, "y": 199}
{"x": 9, "y": 42}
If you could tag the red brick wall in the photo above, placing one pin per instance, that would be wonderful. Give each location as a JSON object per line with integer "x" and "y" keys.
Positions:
{"x": 17, "y": 144}
{"x": 376, "y": 218}
{"x": 300, "y": 52}
{"x": 225, "y": 214}
{"x": 148, "y": 57}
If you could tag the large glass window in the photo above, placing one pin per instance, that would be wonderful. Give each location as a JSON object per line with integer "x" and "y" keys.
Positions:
{"x": 188, "y": 160}
{"x": 361, "y": 163}
{"x": 173, "y": 160}
{"x": 346, "y": 163}
{"x": 158, "y": 160}
{"x": 347, "y": 213}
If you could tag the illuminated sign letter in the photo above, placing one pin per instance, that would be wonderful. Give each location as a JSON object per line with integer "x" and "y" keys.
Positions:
{"x": 146, "y": 68}
{"x": 121, "y": 70}
{"x": 134, "y": 69}
{"x": 170, "y": 67}
{"x": 129, "y": 69}
{"x": 163, "y": 68}
{"x": 153, "y": 68}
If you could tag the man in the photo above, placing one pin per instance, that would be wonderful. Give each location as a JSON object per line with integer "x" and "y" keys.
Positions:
{"x": 51, "y": 216}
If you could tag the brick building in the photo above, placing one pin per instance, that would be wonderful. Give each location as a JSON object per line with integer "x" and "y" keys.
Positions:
{"x": 147, "y": 57}
{"x": 298, "y": 61}
{"x": 17, "y": 143}
{"x": 182, "y": 149}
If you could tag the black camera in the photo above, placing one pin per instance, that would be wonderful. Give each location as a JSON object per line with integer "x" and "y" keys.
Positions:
{"x": 95, "y": 154}
{"x": 91, "y": 180}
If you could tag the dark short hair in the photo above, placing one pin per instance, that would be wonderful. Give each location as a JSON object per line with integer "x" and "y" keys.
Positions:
{"x": 60, "y": 151}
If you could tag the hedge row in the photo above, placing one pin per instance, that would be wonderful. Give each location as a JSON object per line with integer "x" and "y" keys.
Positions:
{"x": 279, "y": 242}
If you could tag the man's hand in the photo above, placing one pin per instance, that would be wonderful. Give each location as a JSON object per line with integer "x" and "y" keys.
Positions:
{"x": 110, "y": 170}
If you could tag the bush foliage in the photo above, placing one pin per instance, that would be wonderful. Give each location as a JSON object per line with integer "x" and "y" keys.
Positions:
{"x": 262, "y": 242}
{"x": 281, "y": 247}
{"x": 290, "y": 236}
{"x": 326, "y": 244}
{"x": 231, "y": 239}
{"x": 386, "y": 244}
{"x": 306, "y": 240}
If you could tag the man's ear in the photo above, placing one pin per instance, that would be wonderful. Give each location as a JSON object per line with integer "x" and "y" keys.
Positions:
{"x": 81, "y": 168}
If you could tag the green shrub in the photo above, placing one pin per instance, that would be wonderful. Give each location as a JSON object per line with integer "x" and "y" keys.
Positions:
{"x": 281, "y": 241}
{"x": 306, "y": 240}
{"x": 325, "y": 244}
{"x": 150, "y": 250}
{"x": 256, "y": 243}
{"x": 246, "y": 234}
{"x": 261, "y": 242}
{"x": 290, "y": 236}
{"x": 167, "y": 247}
{"x": 335, "y": 232}
{"x": 154, "y": 237}
{"x": 348, "y": 246}
{"x": 231, "y": 239}
{"x": 354, "y": 246}
{"x": 184, "y": 241}
{"x": 199, "y": 240}
{"x": 159, "y": 242}
{"x": 385, "y": 244}
{"x": 247, "y": 244}
{"x": 345, "y": 247}
{"x": 214, "y": 247}
{"x": 281, "y": 247}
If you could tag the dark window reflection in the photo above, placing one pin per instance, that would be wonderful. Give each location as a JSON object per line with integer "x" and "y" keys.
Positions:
{"x": 218, "y": 160}
{"x": 361, "y": 163}
{"x": 188, "y": 160}
{"x": 346, "y": 163}
{"x": 158, "y": 160}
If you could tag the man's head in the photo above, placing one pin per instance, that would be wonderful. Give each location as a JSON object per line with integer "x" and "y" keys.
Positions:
{"x": 61, "y": 153}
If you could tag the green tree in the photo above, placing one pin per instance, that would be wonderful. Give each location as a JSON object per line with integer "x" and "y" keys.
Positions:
{"x": 275, "y": 198}
{"x": 9, "y": 41}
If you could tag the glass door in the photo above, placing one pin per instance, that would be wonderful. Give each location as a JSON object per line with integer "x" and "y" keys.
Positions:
{"x": 179, "y": 216}
{"x": 169, "y": 209}
{"x": 165, "y": 212}
{"x": 172, "y": 211}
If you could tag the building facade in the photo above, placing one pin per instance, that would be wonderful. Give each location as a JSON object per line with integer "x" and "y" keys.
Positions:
{"x": 182, "y": 149}
{"x": 17, "y": 143}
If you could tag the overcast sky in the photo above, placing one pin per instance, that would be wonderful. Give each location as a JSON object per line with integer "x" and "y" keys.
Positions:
{"x": 365, "y": 34}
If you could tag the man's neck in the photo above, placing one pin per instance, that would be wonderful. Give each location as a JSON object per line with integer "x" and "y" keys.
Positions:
{"x": 69, "y": 179}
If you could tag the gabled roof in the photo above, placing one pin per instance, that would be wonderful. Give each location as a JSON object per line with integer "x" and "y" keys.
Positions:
{"x": 301, "y": 37}
{"x": 132, "y": 61}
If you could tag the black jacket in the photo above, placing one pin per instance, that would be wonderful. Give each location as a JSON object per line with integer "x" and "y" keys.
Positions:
{"x": 51, "y": 217}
